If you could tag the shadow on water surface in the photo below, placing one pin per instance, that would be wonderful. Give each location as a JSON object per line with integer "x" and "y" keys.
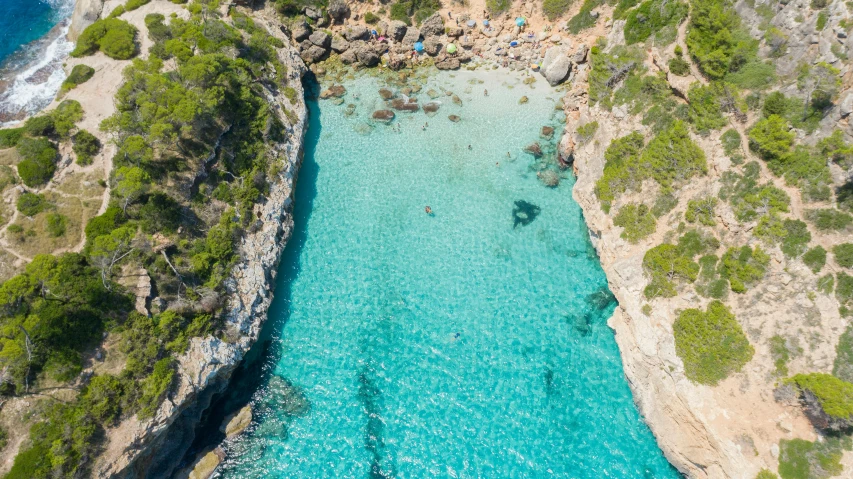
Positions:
{"x": 255, "y": 375}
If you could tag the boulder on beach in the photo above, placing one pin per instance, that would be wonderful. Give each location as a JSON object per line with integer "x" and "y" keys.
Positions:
{"x": 356, "y": 32}
{"x": 386, "y": 94}
{"x": 579, "y": 56}
{"x": 396, "y": 30}
{"x": 312, "y": 54}
{"x": 300, "y": 31}
{"x": 555, "y": 66}
{"x": 338, "y": 10}
{"x": 348, "y": 57}
{"x": 411, "y": 36}
{"x": 433, "y": 26}
{"x": 383, "y": 115}
{"x": 448, "y": 63}
{"x": 432, "y": 46}
{"x": 339, "y": 44}
{"x": 321, "y": 39}
{"x": 454, "y": 118}
{"x": 454, "y": 32}
{"x": 334, "y": 91}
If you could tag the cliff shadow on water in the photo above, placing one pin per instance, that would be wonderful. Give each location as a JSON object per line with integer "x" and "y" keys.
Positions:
{"x": 249, "y": 380}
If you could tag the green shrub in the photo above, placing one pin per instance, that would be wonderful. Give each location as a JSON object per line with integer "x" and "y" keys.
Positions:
{"x": 801, "y": 459}
{"x": 711, "y": 344}
{"x": 498, "y": 6}
{"x": 678, "y": 66}
{"x": 802, "y": 169}
{"x": 637, "y": 222}
{"x": 825, "y": 284}
{"x": 822, "y": 18}
{"x": 587, "y": 131}
{"x": 744, "y": 267}
{"x": 777, "y": 41}
{"x": 843, "y": 366}
{"x": 834, "y": 147}
{"x": 609, "y": 69}
{"x": 86, "y": 146}
{"x": 844, "y": 289}
{"x": 797, "y": 237}
{"x": 371, "y": 19}
{"x": 134, "y": 4}
{"x": 621, "y": 169}
{"x": 706, "y": 111}
{"x": 9, "y": 137}
{"x": 79, "y": 74}
{"x": 155, "y": 387}
{"x": 716, "y": 39}
{"x": 158, "y": 31}
{"x": 651, "y": 16}
{"x": 701, "y": 210}
{"x": 815, "y": 258}
{"x": 770, "y": 138}
{"x": 31, "y": 204}
{"x": 117, "y": 12}
{"x": 780, "y": 354}
{"x": 55, "y": 224}
{"x": 731, "y": 141}
{"x": 664, "y": 265}
{"x": 37, "y": 165}
{"x": 41, "y": 125}
{"x": 664, "y": 203}
{"x": 114, "y": 37}
{"x": 754, "y": 75}
{"x": 65, "y": 117}
{"x": 554, "y": 9}
{"x": 829, "y": 219}
{"x": 748, "y": 198}
{"x": 843, "y": 254}
{"x": 834, "y": 395}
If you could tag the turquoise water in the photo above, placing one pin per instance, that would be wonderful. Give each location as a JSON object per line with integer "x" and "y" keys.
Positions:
{"x": 23, "y": 21}
{"x": 463, "y": 344}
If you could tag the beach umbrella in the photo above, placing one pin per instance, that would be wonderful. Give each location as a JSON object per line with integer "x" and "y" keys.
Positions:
{"x": 419, "y": 47}
{"x": 485, "y": 23}
{"x": 472, "y": 23}
{"x": 519, "y": 21}
{"x": 451, "y": 48}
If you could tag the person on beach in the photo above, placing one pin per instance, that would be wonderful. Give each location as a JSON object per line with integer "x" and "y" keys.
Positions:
{"x": 485, "y": 92}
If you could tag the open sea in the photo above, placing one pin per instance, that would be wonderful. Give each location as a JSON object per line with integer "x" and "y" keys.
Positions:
{"x": 32, "y": 49}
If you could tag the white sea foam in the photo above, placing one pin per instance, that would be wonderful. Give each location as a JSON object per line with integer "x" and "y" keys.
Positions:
{"x": 34, "y": 75}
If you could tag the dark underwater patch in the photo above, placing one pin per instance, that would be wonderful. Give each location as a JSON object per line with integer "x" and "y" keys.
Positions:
{"x": 601, "y": 299}
{"x": 524, "y": 213}
{"x": 370, "y": 397}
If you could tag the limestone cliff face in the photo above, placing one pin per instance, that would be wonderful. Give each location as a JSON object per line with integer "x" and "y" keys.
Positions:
{"x": 152, "y": 448}
{"x": 85, "y": 14}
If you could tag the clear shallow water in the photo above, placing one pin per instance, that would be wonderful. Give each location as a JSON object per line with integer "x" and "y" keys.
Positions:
{"x": 454, "y": 345}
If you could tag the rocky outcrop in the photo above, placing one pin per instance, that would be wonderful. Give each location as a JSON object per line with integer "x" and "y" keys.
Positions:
{"x": 85, "y": 14}
{"x": 433, "y": 26}
{"x": 153, "y": 447}
{"x": 556, "y": 66}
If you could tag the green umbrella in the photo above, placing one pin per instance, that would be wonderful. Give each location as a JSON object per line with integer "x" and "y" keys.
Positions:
{"x": 451, "y": 48}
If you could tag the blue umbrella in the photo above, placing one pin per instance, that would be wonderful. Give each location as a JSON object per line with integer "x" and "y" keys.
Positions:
{"x": 472, "y": 23}
{"x": 519, "y": 21}
{"x": 419, "y": 47}
{"x": 485, "y": 23}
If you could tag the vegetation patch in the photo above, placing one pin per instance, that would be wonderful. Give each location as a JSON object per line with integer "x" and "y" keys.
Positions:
{"x": 651, "y": 17}
{"x": 115, "y": 38}
{"x": 637, "y": 222}
{"x": 38, "y": 161}
{"x": 843, "y": 366}
{"x": 815, "y": 258}
{"x": 79, "y": 74}
{"x": 843, "y": 254}
{"x": 801, "y": 459}
{"x": 711, "y": 343}
{"x": 744, "y": 267}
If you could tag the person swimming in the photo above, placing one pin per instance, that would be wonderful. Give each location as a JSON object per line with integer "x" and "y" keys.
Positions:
{"x": 485, "y": 92}
{"x": 428, "y": 210}
{"x": 469, "y": 147}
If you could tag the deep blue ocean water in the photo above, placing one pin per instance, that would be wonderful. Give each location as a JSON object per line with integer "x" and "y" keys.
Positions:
{"x": 23, "y": 21}
{"x": 470, "y": 343}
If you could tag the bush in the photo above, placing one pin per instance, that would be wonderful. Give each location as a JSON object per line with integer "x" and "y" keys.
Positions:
{"x": 770, "y": 138}
{"x": 731, "y": 141}
{"x": 844, "y": 288}
{"x": 801, "y": 459}
{"x": 755, "y": 75}
{"x": 370, "y": 18}
{"x": 834, "y": 395}
{"x": 86, "y": 146}
{"x": 498, "y": 6}
{"x": 780, "y": 354}
{"x": 843, "y": 254}
{"x": 664, "y": 203}
{"x": 843, "y": 366}
{"x": 664, "y": 265}
{"x": 134, "y": 4}
{"x": 31, "y": 204}
{"x": 114, "y": 37}
{"x": 815, "y": 258}
{"x": 749, "y": 200}
{"x": 829, "y": 219}
{"x": 711, "y": 344}
{"x": 797, "y": 237}
{"x": 39, "y": 125}
{"x": 158, "y": 31}
{"x": 678, "y": 66}
{"x": 744, "y": 267}
{"x": 9, "y": 137}
{"x": 37, "y": 165}
{"x": 554, "y": 9}
{"x": 79, "y": 74}
{"x": 822, "y": 18}
{"x": 65, "y": 117}
{"x": 587, "y": 131}
{"x": 637, "y": 222}
{"x": 55, "y": 224}
{"x": 701, "y": 210}
{"x": 716, "y": 39}
{"x": 652, "y": 16}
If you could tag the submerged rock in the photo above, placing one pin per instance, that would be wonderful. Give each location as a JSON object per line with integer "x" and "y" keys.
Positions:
{"x": 549, "y": 178}
{"x": 237, "y": 422}
{"x": 405, "y": 104}
{"x": 334, "y": 91}
{"x": 523, "y": 100}
{"x": 289, "y": 398}
{"x": 433, "y": 94}
{"x": 431, "y": 107}
{"x": 454, "y": 118}
{"x": 534, "y": 149}
{"x": 524, "y": 213}
{"x": 547, "y": 132}
{"x": 386, "y": 94}
{"x": 456, "y": 100}
{"x": 383, "y": 115}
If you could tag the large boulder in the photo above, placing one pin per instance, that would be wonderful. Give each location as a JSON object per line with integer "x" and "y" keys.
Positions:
{"x": 580, "y": 54}
{"x": 405, "y": 104}
{"x": 432, "y": 46}
{"x": 313, "y": 54}
{"x": 433, "y": 26}
{"x": 555, "y": 66}
{"x": 313, "y": 13}
{"x": 396, "y": 30}
{"x": 338, "y": 10}
{"x": 384, "y": 116}
{"x": 349, "y": 57}
{"x": 366, "y": 55}
{"x": 339, "y": 45}
{"x": 454, "y": 32}
{"x": 300, "y": 31}
{"x": 356, "y": 32}
{"x": 448, "y": 63}
{"x": 412, "y": 36}
{"x": 321, "y": 39}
